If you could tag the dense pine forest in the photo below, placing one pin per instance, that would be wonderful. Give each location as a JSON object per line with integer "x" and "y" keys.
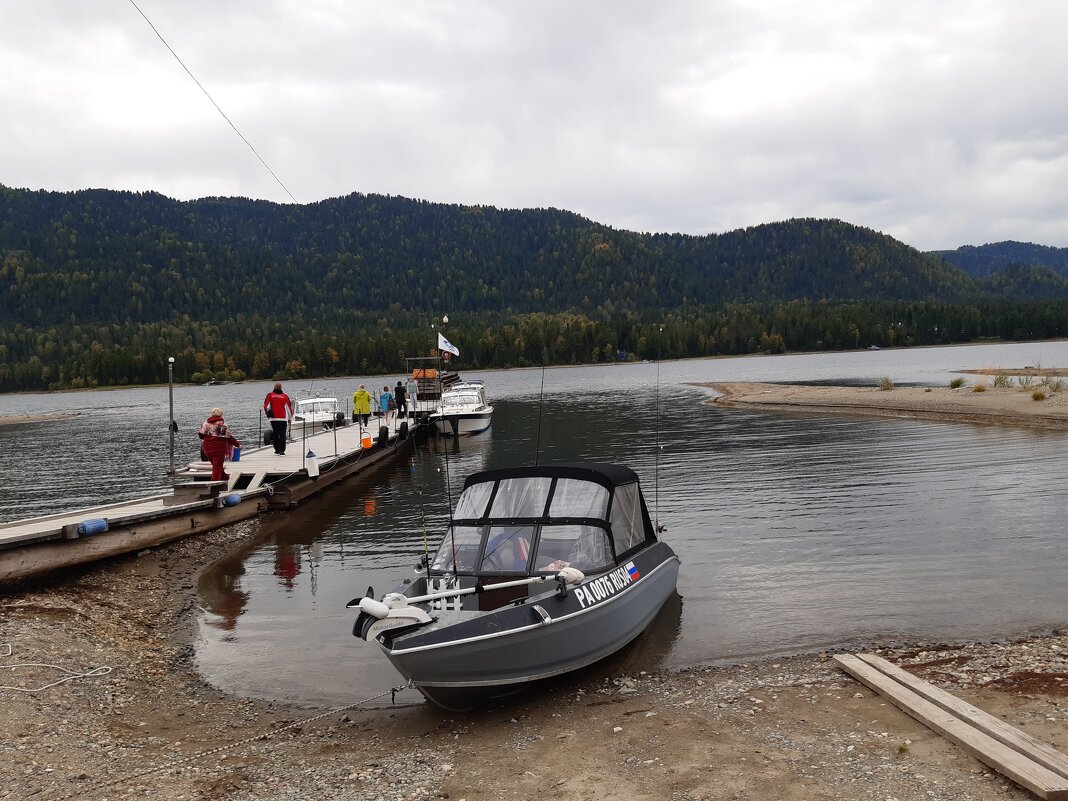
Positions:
{"x": 986, "y": 260}
{"x": 100, "y": 287}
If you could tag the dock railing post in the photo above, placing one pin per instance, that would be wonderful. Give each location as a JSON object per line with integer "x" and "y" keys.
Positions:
{"x": 170, "y": 397}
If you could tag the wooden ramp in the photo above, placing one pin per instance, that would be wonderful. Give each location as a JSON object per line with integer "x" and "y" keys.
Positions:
{"x": 1029, "y": 762}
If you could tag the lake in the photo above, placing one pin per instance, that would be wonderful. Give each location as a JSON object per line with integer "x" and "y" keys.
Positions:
{"x": 796, "y": 532}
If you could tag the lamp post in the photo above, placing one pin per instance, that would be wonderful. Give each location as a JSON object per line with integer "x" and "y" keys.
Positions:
{"x": 170, "y": 397}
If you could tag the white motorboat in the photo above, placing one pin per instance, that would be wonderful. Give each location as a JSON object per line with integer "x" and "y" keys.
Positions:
{"x": 317, "y": 414}
{"x": 463, "y": 409}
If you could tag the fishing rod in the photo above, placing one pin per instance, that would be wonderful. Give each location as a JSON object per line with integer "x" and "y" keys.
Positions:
{"x": 656, "y": 468}
{"x": 541, "y": 405}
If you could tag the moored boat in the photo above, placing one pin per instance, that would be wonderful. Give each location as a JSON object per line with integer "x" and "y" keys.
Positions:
{"x": 463, "y": 409}
{"x": 543, "y": 570}
{"x": 317, "y": 414}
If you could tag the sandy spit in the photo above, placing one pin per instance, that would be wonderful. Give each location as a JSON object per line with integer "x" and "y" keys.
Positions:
{"x": 994, "y": 405}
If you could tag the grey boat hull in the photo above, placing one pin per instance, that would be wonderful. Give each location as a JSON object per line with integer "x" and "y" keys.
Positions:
{"x": 467, "y": 659}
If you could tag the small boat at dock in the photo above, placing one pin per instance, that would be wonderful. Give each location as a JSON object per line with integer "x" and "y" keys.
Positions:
{"x": 463, "y": 409}
{"x": 317, "y": 414}
{"x": 543, "y": 570}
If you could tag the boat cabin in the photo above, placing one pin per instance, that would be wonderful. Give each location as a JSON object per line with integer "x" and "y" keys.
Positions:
{"x": 317, "y": 411}
{"x": 537, "y": 520}
{"x": 459, "y": 397}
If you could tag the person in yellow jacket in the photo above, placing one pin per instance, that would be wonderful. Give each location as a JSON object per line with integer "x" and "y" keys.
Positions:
{"x": 361, "y": 405}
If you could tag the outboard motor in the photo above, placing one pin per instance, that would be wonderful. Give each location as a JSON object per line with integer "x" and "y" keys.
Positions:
{"x": 392, "y": 612}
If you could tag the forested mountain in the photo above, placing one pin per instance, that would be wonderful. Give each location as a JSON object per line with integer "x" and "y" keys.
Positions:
{"x": 99, "y": 287}
{"x": 985, "y": 260}
{"x": 115, "y": 257}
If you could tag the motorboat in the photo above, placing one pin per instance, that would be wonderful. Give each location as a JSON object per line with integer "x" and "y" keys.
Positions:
{"x": 317, "y": 414}
{"x": 463, "y": 409}
{"x": 543, "y": 570}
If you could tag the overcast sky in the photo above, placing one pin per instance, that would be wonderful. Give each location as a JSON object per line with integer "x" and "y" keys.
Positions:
{"x": 939, "y": 123}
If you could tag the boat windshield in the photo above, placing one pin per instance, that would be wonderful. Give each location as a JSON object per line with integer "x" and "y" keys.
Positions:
{"x": 537, "y": 524}
{"x": 460, "y": 400}
{"x": 316, "y": 407}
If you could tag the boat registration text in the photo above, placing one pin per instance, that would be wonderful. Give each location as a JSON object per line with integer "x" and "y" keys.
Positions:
{"x": 607, "y": 585}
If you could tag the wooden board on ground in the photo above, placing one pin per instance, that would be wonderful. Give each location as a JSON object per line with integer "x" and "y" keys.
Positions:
{"x": 1003, "y": 758}
{"x": 1042, "y": 753}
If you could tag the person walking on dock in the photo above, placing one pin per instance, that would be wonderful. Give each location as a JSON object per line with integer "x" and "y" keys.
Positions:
{"x": 387, "y": 405}
{"x": 279, "y": 410}
{"x": 413, "y": 396}
{"x": 400, "y": 395}
{"x": 217, "y": 442}
{"x": 361, "y": 405}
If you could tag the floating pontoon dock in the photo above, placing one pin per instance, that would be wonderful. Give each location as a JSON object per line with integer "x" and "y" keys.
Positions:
{"x": 259, "y": 481}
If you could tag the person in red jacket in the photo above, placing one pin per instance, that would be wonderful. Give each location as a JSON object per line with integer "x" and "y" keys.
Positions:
{"x": 279, "y": 411}
{"x": 217, "y": 440}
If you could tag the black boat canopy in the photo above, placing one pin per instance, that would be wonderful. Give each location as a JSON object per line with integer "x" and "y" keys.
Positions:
{"x": 610, "y": 475}
{"x": 533, "y": 520}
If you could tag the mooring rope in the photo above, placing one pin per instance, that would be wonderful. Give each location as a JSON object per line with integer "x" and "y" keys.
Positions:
{"x": 392, "y": 692}
{"x": 102, "y": 670}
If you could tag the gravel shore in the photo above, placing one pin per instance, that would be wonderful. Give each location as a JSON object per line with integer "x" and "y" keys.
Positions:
{"x": 793, "y": 728}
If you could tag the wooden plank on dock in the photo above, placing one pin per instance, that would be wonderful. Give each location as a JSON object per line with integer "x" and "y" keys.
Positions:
{"x": 1042, "y": 753}
{"x": 1005, "y": 760}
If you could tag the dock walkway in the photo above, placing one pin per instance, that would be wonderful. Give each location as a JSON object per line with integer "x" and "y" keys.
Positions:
{"x": 259, "y": 480}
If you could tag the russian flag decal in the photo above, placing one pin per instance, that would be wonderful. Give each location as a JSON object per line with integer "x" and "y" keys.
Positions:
{"x": 633, "y": 571}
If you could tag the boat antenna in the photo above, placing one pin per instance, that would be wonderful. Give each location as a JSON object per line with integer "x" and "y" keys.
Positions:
{"x": 541, "y": 405}
{"x": 656, "y": 468}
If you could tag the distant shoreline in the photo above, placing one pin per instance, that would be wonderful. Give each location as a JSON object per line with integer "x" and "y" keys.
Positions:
{"x": 30, "y": 418}
{"x": 995, "y": 405}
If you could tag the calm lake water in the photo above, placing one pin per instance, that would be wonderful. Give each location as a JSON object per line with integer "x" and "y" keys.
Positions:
{"x": 796, "y": 533}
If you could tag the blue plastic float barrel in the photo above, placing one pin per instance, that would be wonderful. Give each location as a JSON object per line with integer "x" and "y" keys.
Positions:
{"x": 95, "y": 526}
{"x": 233, "y": 499}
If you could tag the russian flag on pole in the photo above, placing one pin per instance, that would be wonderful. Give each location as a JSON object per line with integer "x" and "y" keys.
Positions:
{"x": 632, "y": 571}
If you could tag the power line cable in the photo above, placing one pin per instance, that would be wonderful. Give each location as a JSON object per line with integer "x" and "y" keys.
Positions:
{"x": 217, "y": 108}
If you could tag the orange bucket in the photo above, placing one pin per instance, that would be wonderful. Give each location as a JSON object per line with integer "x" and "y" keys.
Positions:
{"x": 365, "y": 439}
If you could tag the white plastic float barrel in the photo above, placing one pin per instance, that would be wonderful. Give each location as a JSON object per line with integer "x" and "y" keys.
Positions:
{"x": 312, "y": 464}
{"x": 97, "y": 525}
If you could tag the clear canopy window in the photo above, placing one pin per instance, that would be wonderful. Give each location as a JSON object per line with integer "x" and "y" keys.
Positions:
{"x": 473, "y": 501}
{"x": 521, "y": 497}
{"x": 507, "y": 549}
{"x": 574, "y": 498}
{"x": 583, "y": 547}
{"x": 459, "y": 550}
{"x": 628, "y": 528}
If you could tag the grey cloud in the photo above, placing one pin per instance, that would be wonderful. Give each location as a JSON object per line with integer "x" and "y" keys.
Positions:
{"x": 940, "y": 124}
